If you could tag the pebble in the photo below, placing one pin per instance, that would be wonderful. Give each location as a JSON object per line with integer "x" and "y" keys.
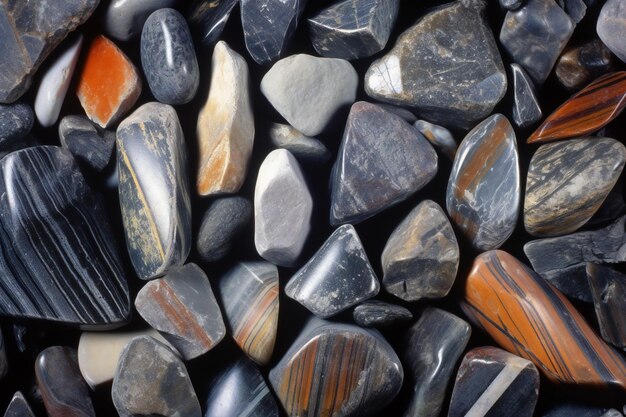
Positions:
{"x": 376, "y": 313}
{"x": 608, "y": 289}
{"x": 399, "y": 111}
{"x": 301, "y": 146}
{"x": 208, "y": 19}
{"x": 569, "y": 409}
{"x": 611, "y": 27}
{"x": 124, "y": 19}
{"x": 526, "y": 107}
{"x": 511, "y": 4}
{"x": 18, "y": 407}
{"x": 579, "y": 65}
{"x": 86, "y": 141}
{"x": 440, "y": 137}
{"x": 16, "y": 121}
{"x": 576, "y": 9}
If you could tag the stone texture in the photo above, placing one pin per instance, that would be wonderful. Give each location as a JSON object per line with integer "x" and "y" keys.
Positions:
{"x": 510, "y": 4}
{"x": 336, "y": 278}
{"x": 124, "y": 19}
{"x": 208, "y": 18}
{"x": 182, "y": 307}
{"x": 18, "y": 407}
{"x": 576, "y": 9}
{"x": 611, "y": 27}
{"x": 447, "y": 67}
{"x": 440, "y": 137}
{"x": 225, "y": 126}
{"x": 282, "y": 209}
{"x": 376, "y": 313}
{"x": 328, "y": 84}
{"x": 153, "y": 189}
{"x": 526, "y": 108}
{"x": 579, "y": 65}
{"x": 382, "y": 161}
{"x": 86, "y": 141}
{"x": 399, "y": 111}
{"x": 16, "y": 121}
{"x": 608, "y": 289}
{"x": 301, "y": 146}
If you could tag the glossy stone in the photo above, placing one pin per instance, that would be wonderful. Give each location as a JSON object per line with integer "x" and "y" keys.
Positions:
{"x": 576, "y": 9}
{"x": 492, "y": 382}
{"x": 438, "y": 136}
{"x": 534, "y": 36}
{"x": 225, "y": 126}
{"x": 153, "y": 189}
{"x": 382, "y": 161}
{"x": 526, "y": 108}
{"x": 608, "y": 288}
{"x": 29, "y": 32}
{"x": 579, "y": 65}
{"x": 16, "y": 121}
{"x": 527, "y": 316}
{"x": 18, "y": 407}
{"x": 300, "y": 145}
{"x": 328, "y": 84}
{"x": 447, "y": 67}
{"x": 568, "y": 181}
{"x": 182, "y": 307}
{"x": 124, "y": 19}
{"x": 336, "y": 278}
{"x": 483, "y": 194}
{"x": 62, "y": 388}
{"x": 151, "y": 380}
{"x": 168, "y": 57}
{"x": 569, "y": 409}
{"x": 282, "y": 209}
{"x": 307, "y": 379}
{"x": 87, "y": 142}
{"x": 376, "y": 313}
{"x": 434, "y": 345}
{"x": 208, "y": 18}
{"x": 249, "y": 294}
{"x": 353, "y": 30}
{"x": 611, "y": 27}
{"x": 421, "y": 257}
{"x": 510, "y": 4}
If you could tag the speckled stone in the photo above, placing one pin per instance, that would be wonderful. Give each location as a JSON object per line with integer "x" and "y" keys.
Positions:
{"x": 526, "y": 108}
{"x": 18, "y": 407}
{"x": 580, "y": 65}
{"x": 87, "y": 142}
{"x": 124, "y": 19}
{"x": 16, "y": 121}
{"x": 608, "y": 290}
{"x": 208, "y": 18}
{"x": 438, "y": 136}
{"x": 611, "y": 27}
{"x": 301, "y": 146}
{"x": 374, "y": 313}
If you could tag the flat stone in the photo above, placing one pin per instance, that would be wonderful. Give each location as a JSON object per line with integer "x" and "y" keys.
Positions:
{"x": 611, "y": 27}
{"x": 62, "y": 388}
{"x": 153, "y": 188}
{"x": 382, "y": 161}
{"x": 208, "y": 19}
{"x": 124, "y": 19}
{"x": 168, "y": 57}
{"x": 336, "y": 278}
{"x": 526, "y": 108}
{"x": 239, "y": 390}
{"x": 434, "y": 345}
{"x": 18, "y": 407}
{"x": 222, "y": 223}
{"x": 568, "y": 181}
{"x": 282, "y": 209}
{"x": 534, "y": 36}
{"x": 608, "y": 288}
{"x": 301, "y": 146}
{"x": 225, "y": 126}
{"x": 527, "y": 316}
{"x": 483, "y": 195}
{"x": 328, "y": 84}
{"x": 576, "y": 9}
{"x": 446, "y": 66}
{"x": 181, "y": 306}
{"x": 307, "y": 377}
{"x": 249, "y": 294}
{"x": 493, "y": 382}
{"x": 579, "y": 65}
{"x": 16, "y": 121}
{"x": 54, "y": 84}
{"x": 510, "y": 4}
{"x": 86, "y": 141}
{"x": 375, "y": 313}
{"x": 151, "y": 380}
{"x": 421, "y": 257}
{"x": 268, "y": 26}
{"x": 73, "y": 272}
{"x": 440, "y": 137}
{"x": 353, "y": 30}
{"x": 29, "y": 32}
{"x": 569, "y": 409}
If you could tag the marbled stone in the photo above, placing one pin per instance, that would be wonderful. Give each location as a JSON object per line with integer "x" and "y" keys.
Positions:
{"x": 534, "y": 36}
{"x": 492, "y": 382}
{"x": 421, "y": 257}
{"x": 239, "y": 390}
{"x": 124, "y": 19}
{"x": 59, "y": 259}
{"x": 336, "y": 278}
{"x": 153, "y": 188}
{"x": 337, "y": 370}
{"x": 301, "y": 146}
{"x": 249, "y": 294}
{"x": 16, "y": 121}
{"x": 222, "y": 223}
{"x": 208, "y": 18}
{"x": 328, "y": 84}
{"x": 109, "y": 83}
{"x": 86, "y": 141}
{"x": 62, "y": 388}
{"x": 54, "y": 84}
{"x": 611, "y": 27}
{"x": 29, "y": 32}
{"x": 353, "y": 30}
{"x": 282, "y": 209}
{"x": 433, "y": 347}
{"x": 168, "y": 57}
{"x": 568, "y": 181}
{"x": 182, "y": 307}
{"x": 526, "y": 108}
{"x": 440, "y": 137}
{"x": 151, "y": 380}
{"x": 225, "y": 126}
{"x": 483, "y": 195}
{"x": 528, "y": 317}
{"x": 608, "y": 288}
{"x": 510, "y": 4}
{"x": 268, "y": 26}
{"x": 18, "y": 407}
{"x": 447, "y": 67}
{"x": 382, "y": 161}
{"x": 579, "y": 65}
{"x": 376, "y": 313}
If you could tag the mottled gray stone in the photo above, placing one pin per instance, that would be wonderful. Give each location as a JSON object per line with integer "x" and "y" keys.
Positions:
{"x": 611, "y": 27}
{"x": 581, "y": 64}
{"x": 300, "y": 145}
{"x": 608, "y": 291}
{"x": 16, "y": 121}
{"x": 511, "y": 4}
{"x": 124, "y": 19}
{"x": 399, "y": 111}
{"x": 438, "y": 136}
{"x": 376, "y": 313}
{"x": 576, "y": 9}
{"x": 86, "y": 141}
{"x": 208, "y": 18}
{"x": 526, "y": 108}
{"x": 168, "y": 57}
{"x": 382, "y": 161}
{"x": 18, "y": 407}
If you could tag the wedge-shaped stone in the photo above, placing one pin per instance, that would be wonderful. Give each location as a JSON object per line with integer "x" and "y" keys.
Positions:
{"x": 608, "y": 288}
{"x": 579, "y": 65}
{"x": 301, "y": 146}
{"x": 153, "y": 188}
{"x": 526, "y": 109}
{"x": 86, "y": 141}
{"x": 225, "y": 126}
{"x": 438, "y": 136}
{"x": 208, "y": 19}
{"x": 18, "y": 407}
{"x": 374, "y": 313}
{"x": 611, "y": 27}
{"x": 382, "y": 161}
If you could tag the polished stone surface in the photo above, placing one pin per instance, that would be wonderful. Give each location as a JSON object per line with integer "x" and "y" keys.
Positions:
{"x": 208, "y": 18}
{"x": 374, "y": 313}
{"x": 581, "y": 64}
{"x": 18, "y": 407}
{"x": 87, "y": 142}
{"x": 421, "y": 257}
{"x": 300, "y": 145}
{"x": 568, "y": 181}
{"x": 336, "y": 278}
{"x": 440, "y": 137}
{"x": 576, "y": 9}
{"x": 608, "y": 289}
{"x": 16, "y": 121}
{"x": 382, "y": 161}
{"x": 124, "y": 19}
{"x": 154, "y": 193}
{"x": 611, "y": 27}
{"x": 526, "y": 108}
